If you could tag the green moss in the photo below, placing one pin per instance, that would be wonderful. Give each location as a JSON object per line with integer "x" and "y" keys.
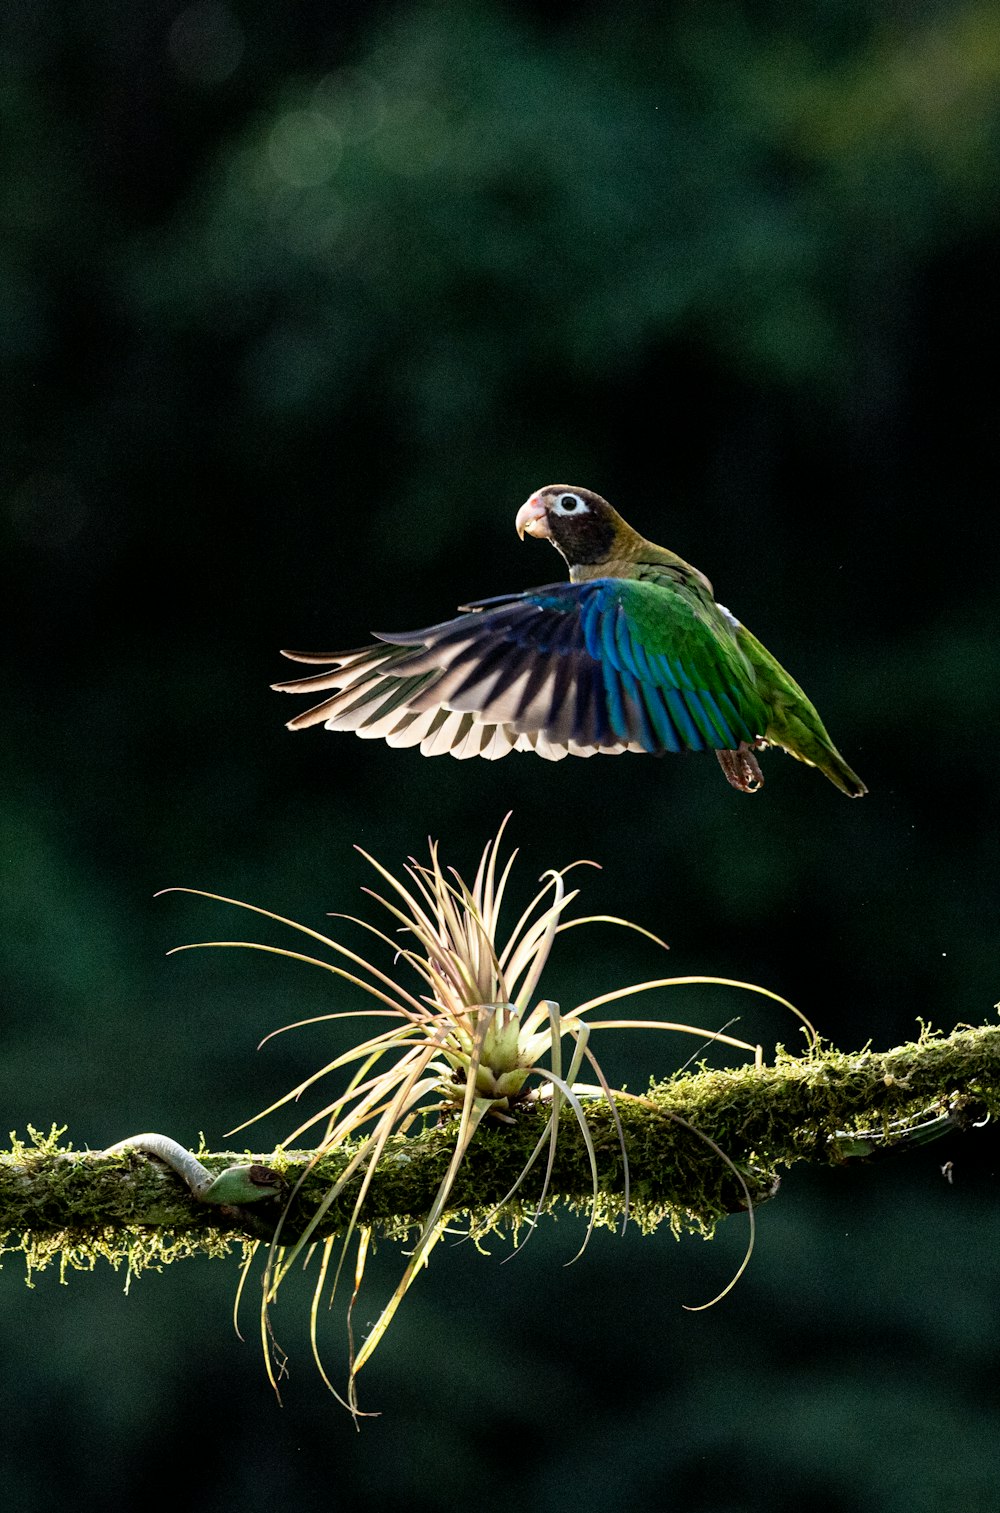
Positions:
{"x": 71, "y": 1208}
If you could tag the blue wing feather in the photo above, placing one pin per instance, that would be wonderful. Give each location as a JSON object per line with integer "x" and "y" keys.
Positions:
{"x": 716, "y": 715}
{"x": 690, "y": 734}
{"x": 615, "y": 696}
{"x": 660, "y": 718}
{"x": 578, "y": 649}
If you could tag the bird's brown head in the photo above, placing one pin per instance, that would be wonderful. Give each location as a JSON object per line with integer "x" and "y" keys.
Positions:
{"x": 580, "y": 524}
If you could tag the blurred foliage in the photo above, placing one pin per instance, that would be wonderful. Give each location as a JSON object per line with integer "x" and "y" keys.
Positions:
{"x": 298, "y": 303}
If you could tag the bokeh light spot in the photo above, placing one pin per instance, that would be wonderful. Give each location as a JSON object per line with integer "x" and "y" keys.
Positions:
{"x": 304, "y": 148}
{"x": 355, "y": 99}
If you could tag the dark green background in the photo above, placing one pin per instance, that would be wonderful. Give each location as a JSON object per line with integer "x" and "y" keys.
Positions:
{"x": 300, "y": 302}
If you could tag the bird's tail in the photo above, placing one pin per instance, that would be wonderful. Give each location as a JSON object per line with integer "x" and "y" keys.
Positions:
{"x": 794, "y": 723}
{"x": 837, "y": 770}
{"x": 801, "y": 733}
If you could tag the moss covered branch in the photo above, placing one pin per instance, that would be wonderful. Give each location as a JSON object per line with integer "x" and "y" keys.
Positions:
{"x": 826, "y": 1107}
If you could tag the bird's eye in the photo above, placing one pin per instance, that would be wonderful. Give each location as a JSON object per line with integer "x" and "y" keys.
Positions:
{"x": 567, "y": 503}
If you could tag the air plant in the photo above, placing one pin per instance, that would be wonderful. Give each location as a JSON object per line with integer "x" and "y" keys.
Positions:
{"x": 467, "y": 1040}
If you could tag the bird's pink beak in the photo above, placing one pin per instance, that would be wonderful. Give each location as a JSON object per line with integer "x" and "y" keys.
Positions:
{"x": 532, "y": 519}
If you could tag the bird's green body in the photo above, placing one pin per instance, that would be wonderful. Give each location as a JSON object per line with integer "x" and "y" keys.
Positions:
{"x": 634, "y": 653}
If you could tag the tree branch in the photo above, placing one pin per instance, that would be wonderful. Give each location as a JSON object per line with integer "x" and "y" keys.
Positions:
{"x": 825, "y": 1107}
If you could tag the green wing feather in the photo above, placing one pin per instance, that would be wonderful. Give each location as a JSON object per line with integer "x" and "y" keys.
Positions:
{"x": 676, "y": 643}
{"x": 609, "y": 665}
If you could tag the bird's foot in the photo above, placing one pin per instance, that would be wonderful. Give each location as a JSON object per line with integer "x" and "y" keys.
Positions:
{"x": 742, "y": 768}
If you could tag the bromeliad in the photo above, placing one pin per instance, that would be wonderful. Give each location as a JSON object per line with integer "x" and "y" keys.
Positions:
{"x": 464, "y": 1038}
{"x": 633, "y": 654}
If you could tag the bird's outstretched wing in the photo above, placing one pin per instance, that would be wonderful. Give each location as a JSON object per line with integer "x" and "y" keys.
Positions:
{"x": 570, "y": 669}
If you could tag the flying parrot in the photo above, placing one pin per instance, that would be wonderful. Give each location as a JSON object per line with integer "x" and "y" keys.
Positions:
{"x": 632, "y": 654}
